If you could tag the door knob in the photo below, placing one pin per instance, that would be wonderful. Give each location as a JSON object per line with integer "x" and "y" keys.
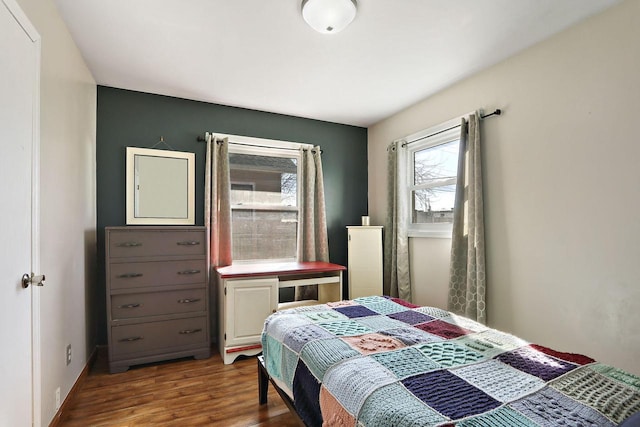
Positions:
{"x": 32, "y": 280}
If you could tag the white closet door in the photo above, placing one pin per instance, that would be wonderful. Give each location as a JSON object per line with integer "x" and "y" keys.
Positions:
{"x": 19, "y": 62}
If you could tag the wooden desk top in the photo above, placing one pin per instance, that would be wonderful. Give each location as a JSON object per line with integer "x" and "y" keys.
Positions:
{"x": 277, "y": 269}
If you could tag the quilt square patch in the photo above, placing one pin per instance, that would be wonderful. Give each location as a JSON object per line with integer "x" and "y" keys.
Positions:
{"x": 550, "y": 408}
{"x": 344, "y": 303}
{"x": 450, "y": 395}
{"x": 464, "y": 323}
{"x": 434, "y": 312}
{"x": 353, "y": 380}
{"x": 345, "y": 328}
{"x": 374, "y": 299}
{"x": 381, "y": 305}
{"x": 278, "y": 324}
{"x": 334, "y": 413}
{"x": 535, "y": 363}
{"x": 404, "y": 303}
{"x": 296, "y": 338}
{"x": 411, "y": 317}
{"x": 502, "y": 417}
{"x": 411, "y": 336}
{"x": 393, "y": 405}
{"x": 289, "y": 364}
{"x": 578, "y": 359}
{"x": 306, "y": 393}
{"x": 324, "y": 316}
{"x": 478, "y": 343}
{"x": 272, "y": 350}
{"x": 449, "y": 354}
{"x": 617, "y": 374}
{"x": 320, "y": 355}
{"x": 405, "y": 362}
{"x": 380, "y": 323}
{"x": 372, "y": 343}
{"x": 501, "y": 340}
{"x": 443, "y": 329}
{"x": 356, "y": 311}
{"x": 500, "y": 381}
{"x": 599, "y": 392}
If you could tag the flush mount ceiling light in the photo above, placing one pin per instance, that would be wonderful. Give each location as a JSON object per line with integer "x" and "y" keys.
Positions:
{"x": 328, "y": 16}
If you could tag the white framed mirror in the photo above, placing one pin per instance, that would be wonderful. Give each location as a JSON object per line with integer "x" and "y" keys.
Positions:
{"x": 160, "y": 187}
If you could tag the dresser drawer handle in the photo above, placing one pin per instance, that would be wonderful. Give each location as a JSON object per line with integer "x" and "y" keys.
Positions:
{"x": 134, "y": 305}
{"x": 189, "y": 272}
{"x": 131, "y": 339}
{"x": 129, "y": 275}
{"x": 188, "y": 300}
{"x": 130, "y": 244}
{"x": 189, "y": 243}
{"x": 189, "y": 331}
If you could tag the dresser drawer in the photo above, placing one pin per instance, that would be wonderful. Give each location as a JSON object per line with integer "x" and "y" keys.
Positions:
{"x": 142, "y": 338}
{"x": 156, "y": 273}
{"x": 130, "y": 306}
{"x": 153, "y": 243}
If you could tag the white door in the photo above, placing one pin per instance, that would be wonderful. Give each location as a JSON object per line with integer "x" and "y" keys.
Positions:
{"x": 365, "y": 261}
{"x": 19, "y": 62}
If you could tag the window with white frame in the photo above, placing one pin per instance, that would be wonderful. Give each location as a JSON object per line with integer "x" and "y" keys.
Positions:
{"x": 432, "y": 169}
{"x": 264, "y": 203}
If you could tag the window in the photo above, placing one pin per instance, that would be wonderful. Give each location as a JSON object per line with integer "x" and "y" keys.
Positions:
{"x": 432, "y": 169}
{"x": 264, "y": 203}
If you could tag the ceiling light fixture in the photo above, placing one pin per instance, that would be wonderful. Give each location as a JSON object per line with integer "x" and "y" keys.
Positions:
{"x": 328, "y": 16}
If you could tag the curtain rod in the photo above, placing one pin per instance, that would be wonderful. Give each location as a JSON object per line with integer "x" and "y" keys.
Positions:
{"x": 497, "y": 112}
{"x": 201, "y": 138}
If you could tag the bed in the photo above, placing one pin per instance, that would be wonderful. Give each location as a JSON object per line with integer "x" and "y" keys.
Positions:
{"x": 381, "y": 361}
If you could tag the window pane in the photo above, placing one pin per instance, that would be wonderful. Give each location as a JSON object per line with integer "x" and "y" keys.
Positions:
{"x": 263, "y": 235}
{"x": 263, "y": 180}
{"x": 440, "y": 161}
{"x": 263, "y": 199}
{"x": 433, "y": 205}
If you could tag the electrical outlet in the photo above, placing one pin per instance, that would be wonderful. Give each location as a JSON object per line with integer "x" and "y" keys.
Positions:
{"x": 68, "y": 354}
{"x": 57, "y": 398}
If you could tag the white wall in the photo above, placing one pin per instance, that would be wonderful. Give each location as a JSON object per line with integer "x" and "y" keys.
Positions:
{"x": 67, "y": 203}
{"x": 562, "y": 188}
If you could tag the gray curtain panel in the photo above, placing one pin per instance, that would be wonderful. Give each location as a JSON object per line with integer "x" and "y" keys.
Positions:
{"x": 217, "y": 205}
{"x": 397, "y": 280}
{"x": 467, "y": 283}
{"x": 313, "y": 243}
{"x": 217, "y": 216}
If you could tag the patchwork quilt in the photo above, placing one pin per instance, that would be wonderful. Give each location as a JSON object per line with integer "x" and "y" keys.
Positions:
{"x": 380, "y": 361}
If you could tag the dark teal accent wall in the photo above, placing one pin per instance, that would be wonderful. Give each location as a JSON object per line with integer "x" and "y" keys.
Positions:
{"x": 126, "y": 118}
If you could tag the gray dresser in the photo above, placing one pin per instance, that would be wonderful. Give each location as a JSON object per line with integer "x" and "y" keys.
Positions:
{"x": 157, "y": 294}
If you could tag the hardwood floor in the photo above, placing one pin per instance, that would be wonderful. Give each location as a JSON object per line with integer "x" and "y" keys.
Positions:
{"x": 179, "y": 393}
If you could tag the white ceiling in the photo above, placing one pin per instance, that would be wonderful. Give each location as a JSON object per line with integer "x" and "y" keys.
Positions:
{"x": 260, "y": 54}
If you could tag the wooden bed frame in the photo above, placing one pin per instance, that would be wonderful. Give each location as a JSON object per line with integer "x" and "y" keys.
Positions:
{"x": 263, "y": 386}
